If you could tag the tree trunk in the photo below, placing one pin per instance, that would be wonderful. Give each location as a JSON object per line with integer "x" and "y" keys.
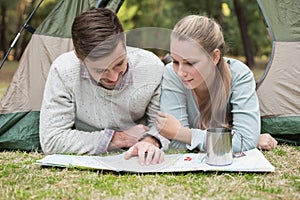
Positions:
{"x": 208, "y": 8}
{"x": 20, "y": 13}
{"x": 3, "y": 42}
{"x": 244, "y": 32}
{"x": 219, "y": 15}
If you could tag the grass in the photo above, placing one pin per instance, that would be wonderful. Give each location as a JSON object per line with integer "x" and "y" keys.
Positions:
{"x": 21, "y": 178}
{"x": 6, "y": 73}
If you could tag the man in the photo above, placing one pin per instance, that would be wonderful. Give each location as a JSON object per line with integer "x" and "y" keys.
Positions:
{"x": 103, "y": 95}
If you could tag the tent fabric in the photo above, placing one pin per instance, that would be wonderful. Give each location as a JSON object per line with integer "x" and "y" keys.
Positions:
{"x": 58, "y": 22}
{"x": 25, "y": 91}
{"x": 282, "y": 16}
{"x": 20, "y": 131}
{"x": 279, "y": 93}
{"x": 279, "y": 89}
{"x": 19, "y": 108}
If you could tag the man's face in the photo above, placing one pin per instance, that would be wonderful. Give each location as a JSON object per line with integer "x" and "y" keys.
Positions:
{"x": 108, "y": 70}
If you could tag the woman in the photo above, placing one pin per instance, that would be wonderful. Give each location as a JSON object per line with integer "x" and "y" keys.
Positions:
{"x": 201, "y": 89}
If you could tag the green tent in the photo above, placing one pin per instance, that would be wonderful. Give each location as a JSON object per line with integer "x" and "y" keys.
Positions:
{"x": 279, "y": 88}
{"x": 20, "y": 106}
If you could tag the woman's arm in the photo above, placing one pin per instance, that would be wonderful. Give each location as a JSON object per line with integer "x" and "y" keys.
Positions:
{"x": 174, "y": 102}
{"x": 244, "y": 107}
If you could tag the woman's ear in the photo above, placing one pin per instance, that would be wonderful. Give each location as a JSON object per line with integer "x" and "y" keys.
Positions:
{"x": 216, "y": 56}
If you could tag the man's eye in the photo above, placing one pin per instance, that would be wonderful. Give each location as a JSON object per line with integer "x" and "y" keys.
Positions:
{"x": 120, "y": 63}
{"x": 100, "y": 71}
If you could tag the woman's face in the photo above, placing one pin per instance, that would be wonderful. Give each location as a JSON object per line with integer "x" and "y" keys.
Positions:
{"x": 191, "y": 63}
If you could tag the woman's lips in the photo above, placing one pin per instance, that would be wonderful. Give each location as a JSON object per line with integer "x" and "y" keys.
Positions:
{"x": 187, "y": 81}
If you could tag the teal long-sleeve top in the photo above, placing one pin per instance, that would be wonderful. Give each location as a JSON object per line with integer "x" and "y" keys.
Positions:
{"x": 243, "y": 105}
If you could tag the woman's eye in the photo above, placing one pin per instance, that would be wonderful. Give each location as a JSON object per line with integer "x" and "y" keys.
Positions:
{"x": 191, "y": 64}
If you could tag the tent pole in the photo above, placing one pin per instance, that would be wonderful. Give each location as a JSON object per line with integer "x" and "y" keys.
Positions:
{"x": 115, "y": 5}
{"x": 25, "y": 26}
{"x": 102, "y": 3}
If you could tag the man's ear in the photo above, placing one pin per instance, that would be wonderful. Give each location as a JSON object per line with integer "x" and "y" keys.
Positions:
{"x": 81, "y": 62}
{"x": 216, "y": 56}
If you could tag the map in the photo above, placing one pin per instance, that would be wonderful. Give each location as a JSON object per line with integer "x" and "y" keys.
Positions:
{"x": 253, "y": 161}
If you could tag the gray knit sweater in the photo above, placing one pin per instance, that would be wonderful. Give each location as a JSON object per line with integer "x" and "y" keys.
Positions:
{"x": 77, "y": 115}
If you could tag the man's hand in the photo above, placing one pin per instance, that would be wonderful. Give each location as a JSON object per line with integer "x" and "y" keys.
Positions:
{"x": 127, "y": 138}
{"x": 147, "y": 153}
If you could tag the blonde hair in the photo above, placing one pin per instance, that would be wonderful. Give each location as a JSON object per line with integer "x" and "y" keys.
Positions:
{"x": 208, "y": 34}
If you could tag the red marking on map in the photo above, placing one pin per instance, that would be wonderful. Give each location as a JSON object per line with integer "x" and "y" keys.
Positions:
{"x": 188, "y": 159}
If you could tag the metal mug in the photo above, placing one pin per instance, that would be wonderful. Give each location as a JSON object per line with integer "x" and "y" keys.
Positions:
{"x": 219, "y": 146}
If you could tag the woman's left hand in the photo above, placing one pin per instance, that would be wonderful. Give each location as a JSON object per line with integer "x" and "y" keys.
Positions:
{"x": 168, "y": 125}
{"x": 266, "y": 142}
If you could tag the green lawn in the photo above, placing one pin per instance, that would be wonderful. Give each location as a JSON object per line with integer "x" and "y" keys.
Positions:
{"x": 21, "y": 178}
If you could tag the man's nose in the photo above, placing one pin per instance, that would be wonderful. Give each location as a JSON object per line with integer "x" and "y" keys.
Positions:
{"x": 113, "y": 76}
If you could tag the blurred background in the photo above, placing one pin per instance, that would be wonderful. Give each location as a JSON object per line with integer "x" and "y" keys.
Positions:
{"x": 242, "y": 22}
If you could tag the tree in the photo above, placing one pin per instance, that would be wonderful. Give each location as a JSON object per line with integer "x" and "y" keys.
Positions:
{"x": 20, "y": 19}
{"x": 243, "y": 29}
{"x": 13, "y": 14}
{"x": 3, "y": 27}
{"x": 244, "y": 33}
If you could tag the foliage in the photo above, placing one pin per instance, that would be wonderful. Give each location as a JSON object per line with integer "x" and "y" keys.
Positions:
{"x": 126, "y": 14}
{"x": 163, "y": 13}
{"x": 17, "y": 13}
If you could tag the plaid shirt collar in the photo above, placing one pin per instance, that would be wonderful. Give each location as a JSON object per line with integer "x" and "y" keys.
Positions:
{"x": 125, "y": 80}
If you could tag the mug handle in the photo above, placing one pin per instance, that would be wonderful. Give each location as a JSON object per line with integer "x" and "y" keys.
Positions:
{"x": 241, "y": 153}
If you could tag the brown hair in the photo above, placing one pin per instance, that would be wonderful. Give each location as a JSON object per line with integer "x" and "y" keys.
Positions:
{"x": 96, "y": 33}
{"x": 208, "y": 34}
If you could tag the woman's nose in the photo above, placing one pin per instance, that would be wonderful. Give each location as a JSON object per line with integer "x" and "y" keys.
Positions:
{"x": 181, "y": 71}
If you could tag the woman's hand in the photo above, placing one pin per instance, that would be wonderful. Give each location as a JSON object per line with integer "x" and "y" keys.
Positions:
{"x": 168, "y": 125}
{"x": 266, "y": 142}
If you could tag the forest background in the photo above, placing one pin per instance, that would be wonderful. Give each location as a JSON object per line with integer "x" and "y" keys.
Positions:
{"x": 242, "y": 22}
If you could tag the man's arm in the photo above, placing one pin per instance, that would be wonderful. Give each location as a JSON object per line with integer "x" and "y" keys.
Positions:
{"x": 127, "y": 138}
{"x": 57, "y": 119}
